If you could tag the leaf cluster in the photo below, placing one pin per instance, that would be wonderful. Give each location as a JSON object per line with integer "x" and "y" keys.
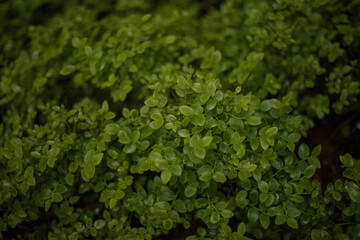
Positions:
{"x": 131, "y": 118}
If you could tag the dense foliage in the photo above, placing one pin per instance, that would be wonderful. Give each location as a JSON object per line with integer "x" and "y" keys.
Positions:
{"x": 127, "y": 119}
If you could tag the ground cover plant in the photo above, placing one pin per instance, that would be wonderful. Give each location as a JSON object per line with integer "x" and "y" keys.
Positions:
{"x": 179, "y": 119}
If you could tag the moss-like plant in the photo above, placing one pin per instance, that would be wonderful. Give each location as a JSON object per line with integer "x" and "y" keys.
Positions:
{"x": 128, "y": 119}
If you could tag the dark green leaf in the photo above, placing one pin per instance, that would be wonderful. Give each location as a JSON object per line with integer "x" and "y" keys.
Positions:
{"x": 219, "y": 177}
{"x": 293, "y": 212}
{"x": 264, "y": 220}
{"x": 280, "y": 219}
{"x": 309, "y": 171}
{"x": 291, "y": 222}
{"x": 303, "y": 151}
{"x": 215, "y": 217}
{"x": 190, "y": 190}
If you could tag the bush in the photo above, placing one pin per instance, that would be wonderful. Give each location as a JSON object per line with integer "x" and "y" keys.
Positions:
{"x": 137, "y": 119}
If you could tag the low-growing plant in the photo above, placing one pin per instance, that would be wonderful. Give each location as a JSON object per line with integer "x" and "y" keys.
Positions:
{"x": 129, "y": 119}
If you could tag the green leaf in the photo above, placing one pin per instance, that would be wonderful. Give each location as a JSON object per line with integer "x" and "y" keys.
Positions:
{"x": 316, "y": 151}
{"x": 183, "y": 82}
{"x": 272, "y": 131}
{"x": 176, "y": 169}
{"x": 123, "y": 137}
{"x": 109, "y": 115}
{"x": 111, "y": 128}
{"x": 354, "y": 192}
{"x": 135, "y": 136}
{"x": 184, "y": 133}
{"x": 167, "y": 224}
{"x": 129, "y": 148}
{"x": 243, "y": 175}
{"x": 90, "y": 171}
{"x": 45, "y": 194}
{"x": 291, "y": 222}
{"x": 264, "y": 220}
{"x": 206, "y": 141}
{"x": 290, "y": 146}
{"x": 263, "y": 186}
{"x": 158, "y": 120}
{"x": 48, "y": 204}
{"x": 227, "y": 213}
{"x": 297, "y": 198}
{"x": 241, "y": 197}
{"x": 219, "y": 177}
{"x": 348, "y": 211}
{"x": 158, "y": 160}
{"x": 74, "y": 236}
{"x": 107, "y": 194}
{"x": 180, "y": 206}
{"x": 186, "y": 111}
{"x": 74, "y": 166}
{"x": 88, "y": 156}
{"x": 93, "y": 231}
{"x": 119, "y": 194}
{"x": 57, "y": 197}
{"x": 69, "y": 179}
{"x": 205, "y": 173}
{"x": 220, "y": 206}
{"x": 293, "y": 212}
{"x": 170, "y": 39}
{"x": 204, "y": 97}
{"x": 294, "y": 137}
{"x": 76, "y": 42}
{"x": 316, "y": 234}
{"x": 105, "y": 106}
{"x": 215, "y": 217}
{"x": 200, "y": 152}
{"x": 337, "y": 196}
{"x": 190, "y": 190}
{"x": 241, "y": 228}
{"x": 226, "y": 229}
{"x": 211, "y": 88}
{"x": 280, "y": 219}
{"x": 309, "y": 171}
{"x": 99, "y": 186}
{"x": 51, "y": 162}
{"x": 253, "y": 215}
{"x": 303, "y": 151}
{"x": 264, "y": 143}
{"x": 254, "y": 120}
{"x": 35, "y": 154}
{"x": 266, "y": 105}
{"x": 165, "y": 176}
{"x": 29, "y": 172}
{"x": 96, "y": 159}
{"x": 31, "y": 181}
{"x": 250, "y": 167}
{"x": 254, "y": 143}
{"x": 347, "y": 160}
{"x": 67, "y": 70}
{"x": 198, "y": 120}
{"x": 133, "y": 68}
{"x": 88, "y": 51}
{"x": 195, "y": 140}
{"x": 61, "y": 188}
{"x": 112, "y": 203}
{"x": 99, "y": 224}
{"x": 257, "y": 175}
